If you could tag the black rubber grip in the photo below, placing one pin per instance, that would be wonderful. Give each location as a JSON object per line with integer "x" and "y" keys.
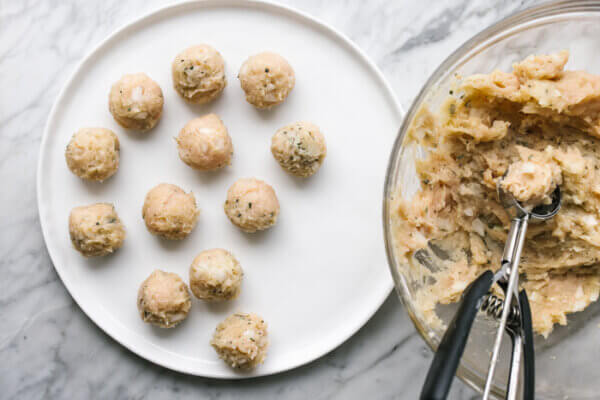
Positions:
{"x": 528, "y": 349}
{"x": 447, "y": 357}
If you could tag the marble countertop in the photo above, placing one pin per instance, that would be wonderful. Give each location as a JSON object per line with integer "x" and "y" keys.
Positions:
{"x": 49, "y": 349}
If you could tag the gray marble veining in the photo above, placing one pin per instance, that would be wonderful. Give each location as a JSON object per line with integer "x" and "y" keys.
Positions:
{"x": 49, "y": 349}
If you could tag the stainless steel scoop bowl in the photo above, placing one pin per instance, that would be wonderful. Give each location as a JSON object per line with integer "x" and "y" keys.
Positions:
{"x": 541, "y": 212}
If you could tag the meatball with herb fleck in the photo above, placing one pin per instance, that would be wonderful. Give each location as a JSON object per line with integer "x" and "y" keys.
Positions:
{"x": 136, "y": 102}
{"x": 215, "y": 275}
{"x": 267, "y": 79}
{"x": 252, "y": 205}
{"x": 169, "y": 211}
{"x": 204, "y": 143}
{"x": 96, "y": 230}
{"x": 163, "y": 299}
{"x": 93, "y": 154}
{"x": 199, "y": 74}
{"x": 299, "y": 148}
{"x": 241, "y": 340}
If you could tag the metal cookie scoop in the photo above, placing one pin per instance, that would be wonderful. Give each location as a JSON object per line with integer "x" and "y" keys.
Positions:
{"x": 507, "y": 278}
{"x": 513, "y": 312}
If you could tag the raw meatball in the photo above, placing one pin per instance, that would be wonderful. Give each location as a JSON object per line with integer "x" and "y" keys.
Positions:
{"x": 93, "y": 153}
{"x": 136, "y": 102}
{"x": 267, "y": 78}
{"x": 163, "y": 299}
{"x": 204, "y": 143}
{"x": 299, "y": 148}
{"x": 252, "y": 205}
{"x": 241, "y": 340}
{"x": 96, "y": 230}
{"x": 170, "y": 212}
{"x": 216, "y": 275}
{"x": 199, "y": 74}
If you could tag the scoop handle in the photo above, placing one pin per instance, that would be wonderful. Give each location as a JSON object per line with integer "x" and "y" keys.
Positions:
{"x": 528, "y": 349}
{"x": 447, "y": 357}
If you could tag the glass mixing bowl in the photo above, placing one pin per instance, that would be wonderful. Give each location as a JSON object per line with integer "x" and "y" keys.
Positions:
{"x": 567, "y": 362}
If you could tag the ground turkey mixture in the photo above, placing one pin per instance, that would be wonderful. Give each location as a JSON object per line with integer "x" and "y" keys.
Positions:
{"x": 545, "y": 122}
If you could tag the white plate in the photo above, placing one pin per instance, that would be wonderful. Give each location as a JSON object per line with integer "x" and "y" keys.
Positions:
{"x": 320, "y": 273}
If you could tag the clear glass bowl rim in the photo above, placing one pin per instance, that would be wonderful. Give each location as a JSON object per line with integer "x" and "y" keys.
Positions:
{"x": 470, "y": 48}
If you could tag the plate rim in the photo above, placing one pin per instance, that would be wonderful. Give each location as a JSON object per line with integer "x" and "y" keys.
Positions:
{"x": 266, "y": 5}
